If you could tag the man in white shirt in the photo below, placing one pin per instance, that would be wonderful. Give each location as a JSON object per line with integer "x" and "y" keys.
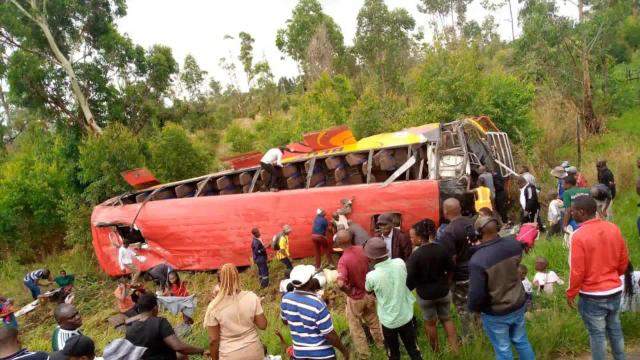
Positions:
{"x": 271, "y": 159}
{"x": 125, "y": 260}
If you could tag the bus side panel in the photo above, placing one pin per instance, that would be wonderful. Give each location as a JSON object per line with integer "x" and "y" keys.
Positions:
{"x": 204, "y": 233}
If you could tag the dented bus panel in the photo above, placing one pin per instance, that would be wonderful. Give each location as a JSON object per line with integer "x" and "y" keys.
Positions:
{"x": 204, "y": 222}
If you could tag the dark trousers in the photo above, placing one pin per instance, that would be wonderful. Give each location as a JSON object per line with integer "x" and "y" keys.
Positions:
{"x": 263, "y": 272}
{"x": 501, "y": 205}
{"x": 287, "y": 263}
{"x": 274, "y": 176}
{"x": 407, "y": 333}
{"x": 320, "y": 244}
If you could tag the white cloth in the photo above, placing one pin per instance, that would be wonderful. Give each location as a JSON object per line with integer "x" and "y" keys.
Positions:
{"x": 546, "y": 281}
{"x": 273, "y": 156}
{"x": 631, "y": 303}
{"x": 125, "y": 257}
{"x": 528, "y": 288}
{"x": 523, "y": 197}
{"x": 388, "y": 242}
{"x": 556, "y": 209}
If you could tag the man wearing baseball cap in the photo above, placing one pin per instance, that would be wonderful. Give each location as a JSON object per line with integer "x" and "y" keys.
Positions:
{"x": 397, "y": 242}
{"x": 496, "y": 292}
{"x": 308, "y": 318}
{"x": 394, "y": 305}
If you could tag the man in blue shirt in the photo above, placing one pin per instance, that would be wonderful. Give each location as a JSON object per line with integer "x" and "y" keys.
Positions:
{"x": 309, "y": 319}
{"x": 260, "y": 257}
{"x": 319, "y": 237}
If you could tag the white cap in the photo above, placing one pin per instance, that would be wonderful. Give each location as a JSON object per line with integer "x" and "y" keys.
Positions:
{"x": 301, "y": 274}
{"x": 319, "y": 211}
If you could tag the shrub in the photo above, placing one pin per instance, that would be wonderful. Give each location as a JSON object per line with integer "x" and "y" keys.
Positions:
{"x": 241, "y": 139}
{"x": 104, "y": 157}
{"x": 173, "y": 156}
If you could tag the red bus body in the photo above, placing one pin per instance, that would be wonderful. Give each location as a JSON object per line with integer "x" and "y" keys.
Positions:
{"x": 203, "y": 233}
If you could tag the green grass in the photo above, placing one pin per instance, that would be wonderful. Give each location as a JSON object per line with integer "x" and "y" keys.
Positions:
{"x": 554, "y": 330}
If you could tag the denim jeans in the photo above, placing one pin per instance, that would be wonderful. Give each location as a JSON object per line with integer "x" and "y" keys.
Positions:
{"x": 505, "y": 330}
{"x": 602, "y": 319}
{"x": 33, "y": 287}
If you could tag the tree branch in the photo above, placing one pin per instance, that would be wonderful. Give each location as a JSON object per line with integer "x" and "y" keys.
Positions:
{"x": 25, "y": 12}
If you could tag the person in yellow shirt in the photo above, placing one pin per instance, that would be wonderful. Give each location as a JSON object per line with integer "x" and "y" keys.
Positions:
{"x": 281, "y": 245}
{"x": 482, "y": 195}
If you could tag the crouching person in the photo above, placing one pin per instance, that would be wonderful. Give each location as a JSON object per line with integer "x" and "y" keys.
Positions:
{"x": 496, "y": 291}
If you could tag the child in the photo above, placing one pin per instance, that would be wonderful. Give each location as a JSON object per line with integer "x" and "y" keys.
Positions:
{"x": 555, "y": 213}
{"x": 545, "y": 279}
{"x": 528, "y": 288}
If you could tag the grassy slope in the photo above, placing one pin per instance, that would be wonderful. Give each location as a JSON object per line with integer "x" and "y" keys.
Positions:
{"x": 554, "y": 330}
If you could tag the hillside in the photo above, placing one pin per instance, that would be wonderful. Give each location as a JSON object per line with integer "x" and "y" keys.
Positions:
{"x": 555, "y": 331}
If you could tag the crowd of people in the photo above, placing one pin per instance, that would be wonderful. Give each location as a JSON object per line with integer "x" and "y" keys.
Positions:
{"x": 470, "y": 263}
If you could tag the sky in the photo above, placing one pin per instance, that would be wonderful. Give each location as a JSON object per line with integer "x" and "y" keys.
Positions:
{"x": 198, "y": 27}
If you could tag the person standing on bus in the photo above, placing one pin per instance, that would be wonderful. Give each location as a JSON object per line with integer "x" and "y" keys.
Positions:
{"x": 269, "y": 161}
{"x": 319, "y": 237}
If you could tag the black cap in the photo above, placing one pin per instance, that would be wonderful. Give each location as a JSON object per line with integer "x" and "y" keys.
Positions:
{"x": 78, "y": 345}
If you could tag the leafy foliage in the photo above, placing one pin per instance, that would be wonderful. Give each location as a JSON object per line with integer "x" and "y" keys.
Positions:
{"x": 172, "y": 155}
{"x": 103, "y": 158}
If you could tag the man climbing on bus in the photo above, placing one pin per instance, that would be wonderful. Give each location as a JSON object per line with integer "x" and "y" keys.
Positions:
{"x": 271, "y": 159}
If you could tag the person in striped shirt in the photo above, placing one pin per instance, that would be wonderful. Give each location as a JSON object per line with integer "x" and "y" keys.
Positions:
{"x": 32, "y": 278}
{"x": 309, "y": 319}
{"x": 69, "y": 322}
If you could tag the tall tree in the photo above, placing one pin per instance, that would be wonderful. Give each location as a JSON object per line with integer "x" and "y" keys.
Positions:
{"x": 67, "y": 61}
{"x": 383, "y": 42}
{"x": 319, "y": 54}
{"x": 294, "y": 40}
{"x": 457, "y": 9}
{"x": 37, "y": 13}
{"x": 192, "y": 76}
{"x": 246, "y": 55}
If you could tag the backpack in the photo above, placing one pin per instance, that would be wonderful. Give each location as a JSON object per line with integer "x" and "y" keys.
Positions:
{"x": 528, "y": 235}
{"x": 275, "y": 242}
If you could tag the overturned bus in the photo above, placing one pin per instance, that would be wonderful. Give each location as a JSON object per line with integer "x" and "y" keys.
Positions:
{"x": 205, "y": 222}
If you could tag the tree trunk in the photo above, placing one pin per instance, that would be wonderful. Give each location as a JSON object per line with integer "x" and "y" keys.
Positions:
{"x": 591, "y": 121}
{"x": 40, "y": 19}
{"x": 513, "y": 31}
{"x": 89, "y": 121}
{"x": 5, "y": 106}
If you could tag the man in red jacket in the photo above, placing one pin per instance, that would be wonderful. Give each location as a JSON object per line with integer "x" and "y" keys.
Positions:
{"x": 598, "y": 256}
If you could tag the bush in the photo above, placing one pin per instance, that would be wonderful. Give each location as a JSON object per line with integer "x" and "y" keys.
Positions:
{"x": 173, "y": 156}
{"x": 104, "y": 157}
{"x": 275, "y": 130}
{"x": 326, "y": 104}
{"x": 453, "y": 84}
{"x": 372, "y": 114}
{"x": 241, "y": 139}
{"x": 34, "y": 177}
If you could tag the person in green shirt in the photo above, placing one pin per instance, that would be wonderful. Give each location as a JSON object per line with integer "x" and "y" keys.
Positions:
{"x": 571, "y": 191}
{"x": 65, "y": 282}
{"x": 394, "y": 303}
